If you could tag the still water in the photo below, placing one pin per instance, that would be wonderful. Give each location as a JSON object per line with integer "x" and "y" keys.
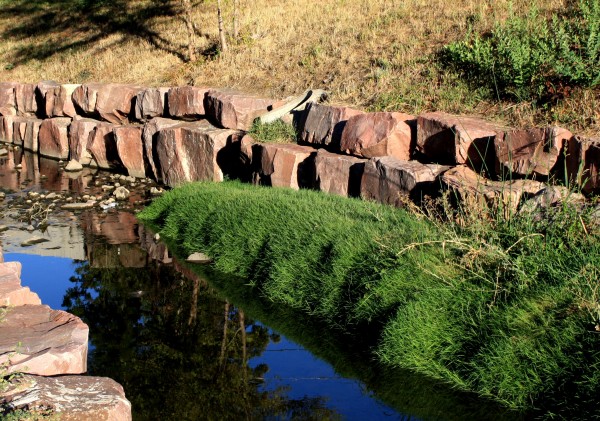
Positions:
{"x": 188, "y": 344}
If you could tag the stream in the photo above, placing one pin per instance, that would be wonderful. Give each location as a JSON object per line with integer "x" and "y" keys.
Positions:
{"x": 182, "y": 342}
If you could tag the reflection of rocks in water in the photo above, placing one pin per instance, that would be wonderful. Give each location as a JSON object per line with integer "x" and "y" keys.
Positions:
{"x": 156, "y": 250}
{"x": 115, "y": 227}
{"x": 104, "y": 255}
{"x": 19, "y": 169}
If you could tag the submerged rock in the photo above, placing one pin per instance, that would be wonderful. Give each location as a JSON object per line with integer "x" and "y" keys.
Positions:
{"x": 121, "y": 193}
{"x": 73, "y": 166}
{"x": 33, "y": 240}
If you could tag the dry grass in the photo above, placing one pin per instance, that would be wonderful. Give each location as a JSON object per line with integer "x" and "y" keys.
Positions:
{"x": 373, "y": 54}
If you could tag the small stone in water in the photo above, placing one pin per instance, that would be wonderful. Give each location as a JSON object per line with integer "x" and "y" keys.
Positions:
{"x": 121, "y": 193}
{"x": 18, "y": 166}
{"x": 30, "y": 228}
{"x": 117, "y": 184}
{"x": 86, "y": 197}
{"x": 29, "y": 201}
{"x": 3, "y": 152}
{"x": 2, "y": 195}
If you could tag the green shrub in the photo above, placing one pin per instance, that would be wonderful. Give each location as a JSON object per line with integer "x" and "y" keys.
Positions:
{"x": 533, "y": 57}
{"x": 276, "y": 132}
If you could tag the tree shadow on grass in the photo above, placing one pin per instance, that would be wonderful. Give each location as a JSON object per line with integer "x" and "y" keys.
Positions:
{"x": 89, "y": 21}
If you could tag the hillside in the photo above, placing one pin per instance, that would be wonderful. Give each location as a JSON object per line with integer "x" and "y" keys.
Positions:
{"x": 374, "y": 54}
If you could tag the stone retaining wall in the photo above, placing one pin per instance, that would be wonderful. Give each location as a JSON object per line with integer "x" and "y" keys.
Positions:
{"x": 181, "y": 134}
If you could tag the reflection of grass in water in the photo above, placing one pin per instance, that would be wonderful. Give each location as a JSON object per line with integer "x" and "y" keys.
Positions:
{"x": 498, "y": 306}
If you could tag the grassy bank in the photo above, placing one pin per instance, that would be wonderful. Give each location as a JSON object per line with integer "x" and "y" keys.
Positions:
{"x": 374, "y": 54}
{"x": 506, "y": 308}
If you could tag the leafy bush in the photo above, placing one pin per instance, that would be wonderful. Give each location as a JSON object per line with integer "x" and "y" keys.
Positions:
{"x": 533, "y": 57}
{"x": 276, "y": 132}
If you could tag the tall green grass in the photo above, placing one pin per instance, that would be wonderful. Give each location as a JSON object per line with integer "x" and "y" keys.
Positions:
{"x": 506, "y": 307}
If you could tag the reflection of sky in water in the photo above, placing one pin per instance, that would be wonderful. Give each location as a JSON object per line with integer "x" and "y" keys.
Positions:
{"x": 307, "y": 376}
{"x": 290, "y": 365}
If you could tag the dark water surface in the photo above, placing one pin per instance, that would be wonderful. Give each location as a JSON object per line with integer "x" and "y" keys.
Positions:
{"x": 187, "y": 344}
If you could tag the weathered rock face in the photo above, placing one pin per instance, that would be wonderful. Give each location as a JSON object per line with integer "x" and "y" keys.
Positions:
{"x": 39, "y": 340}
{"x": 477, "y": 193}
{"x": 79, "y": 136}
{"x": 186, "y": 102}
{"x": 25, "y": 99}
{"x": 58, "y": 101}
{"x": 11, "y": 291}
{"x": 552, "y": 196}
{"x": 283, "y": 165}
{"x": 72, "y": 398}
{"x": 324, "y": 124}
{"x": 531, "y": 152}
{"x": 115, "y": 102}
{"x": 449, "y": 139}
{"x": 583, "y": 163}
{"x": 390, "y": 180}
{"x": 151, "y": 103}
{"x": 26, "y": 132}
{"x": 378, "y": 134}
{"x": 150, "y": 137}
{"x": 85, "y": 98}
{"x": 54, "y": 137}
{"x": 8, "y": 104}
{"x": 338, "y": 174}
{"x": 234, "y": 110}
{"x": 131, "y": 149}
{"x": 189, "y": 152}
{"x": 103, "y": 146}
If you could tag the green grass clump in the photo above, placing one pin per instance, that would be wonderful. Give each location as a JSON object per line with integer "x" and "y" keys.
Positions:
{"x": 506, "y": 307}
{"x": 533, "y": 57}
{"x": 328, "y": 256}
{"x": 276, "y": 132}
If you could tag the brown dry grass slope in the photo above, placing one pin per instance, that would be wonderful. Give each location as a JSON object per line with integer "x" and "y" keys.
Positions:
{"x": 374, "y": 54}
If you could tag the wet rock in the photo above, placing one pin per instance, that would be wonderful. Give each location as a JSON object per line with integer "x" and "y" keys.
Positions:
{"x": 8, "y": 104}
{"x": 121, "y": 193}
{"x": 190, "y": 151}
{"x": 11, "y": 291}
{"x": 392, "y": 181}
{"x": 234, "y": 110}
{"x": 324, "y": 124}
{"x": 150, "y": 137}
{"x": 583, "y": 163}
{"x": 54, "y": 138}
{"x": 529, "y": 152}
{"x": 284, "y": 165}
{"x": 378, "y": 134}
{"x": 151, "y": 103}
{"x": 71, "y": 398}
{"x": 199, "y": 258}
{"x": 338, "y": 174}
{"x": 73, "y": 165}
{"x": 25, "y": 99}
{"x": 477, "y": 194}
{"x": 33, "y": 240}
{"x": 79, "y": 205}
{"x": 130, "y": 149}
{"x": 186, "y": 102}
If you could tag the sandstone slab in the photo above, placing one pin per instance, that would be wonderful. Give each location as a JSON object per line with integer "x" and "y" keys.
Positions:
{"x": 583, "y": 163}
{"x": 451, "y": 139}
{"x": 186, "y": 102}
{"x": 85, "y": 98}
{"x": 190, "y": 152}
{"x": 131, "y": 149}
{"x": 235, "y": 110}
{"x": 378, "y": 134}
{"x": 102, "y": 146}
{"x": 58, "y": 101}
{"x": 115, "y": 102}
{"x": 324, "y": 124}
{"x": 70, "y": 398}
{"x": 79, "y": 136}
{"x": 38, "y": 340}
{"x": 152, "y": 102}
{"x": 25, "y": 99}
{"x": 8, "y": 104}
{"x": 6, "y": 128}
{"x": 283, "y": 165}
{"x": 338, "y": 174}
{"x": 11, "y": 291}
{"x": 26, "y": 132}
{"x": 54, "y": 137}
{"x": 391, "y": 180}
{"x": 150, "y": 137}
{"x": 477, "y": 193}
{"x": 529, "y": 152}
